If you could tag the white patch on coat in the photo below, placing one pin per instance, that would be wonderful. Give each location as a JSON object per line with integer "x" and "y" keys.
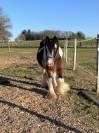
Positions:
{"x": 56, "y": 46}
{"x": 60, "y": 52}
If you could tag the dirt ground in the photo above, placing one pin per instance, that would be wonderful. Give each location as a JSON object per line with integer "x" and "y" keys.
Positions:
{"x": 18, "y": 60}
{"x": 24, "y": 108}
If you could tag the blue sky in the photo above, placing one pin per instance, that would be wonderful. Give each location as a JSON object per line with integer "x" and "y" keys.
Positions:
{"x": 66, "y": 15}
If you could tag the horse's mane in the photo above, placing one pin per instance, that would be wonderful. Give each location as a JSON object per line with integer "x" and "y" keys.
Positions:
{"x": 44, "y": 41}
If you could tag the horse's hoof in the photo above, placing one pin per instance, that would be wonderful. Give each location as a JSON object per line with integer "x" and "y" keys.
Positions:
{"x": 52, "y": 97}
{"x": 56, "y": 92}
{"x": 62, "y": 87}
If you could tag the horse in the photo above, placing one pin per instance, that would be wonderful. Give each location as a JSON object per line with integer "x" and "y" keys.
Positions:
{"x": 50, "y": 58}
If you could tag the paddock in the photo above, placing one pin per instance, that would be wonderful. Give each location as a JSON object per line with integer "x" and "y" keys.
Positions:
{"x": 23, "y": 100}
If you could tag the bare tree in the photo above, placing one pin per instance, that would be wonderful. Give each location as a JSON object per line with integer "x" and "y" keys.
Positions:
{"x": 5, "y": 25}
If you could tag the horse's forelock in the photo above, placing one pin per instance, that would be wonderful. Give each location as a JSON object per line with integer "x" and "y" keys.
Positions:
{"x": 55, "y": 39}
{"x": 51, "y": 43}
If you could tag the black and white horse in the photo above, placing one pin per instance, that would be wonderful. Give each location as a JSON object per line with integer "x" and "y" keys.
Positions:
{"x": 50, "y": 58}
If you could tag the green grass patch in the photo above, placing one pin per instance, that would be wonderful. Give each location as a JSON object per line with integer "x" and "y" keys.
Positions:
{"x": 20, "y": 71}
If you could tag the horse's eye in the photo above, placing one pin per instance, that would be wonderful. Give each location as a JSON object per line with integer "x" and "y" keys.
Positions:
{"x": 55, "y": 46}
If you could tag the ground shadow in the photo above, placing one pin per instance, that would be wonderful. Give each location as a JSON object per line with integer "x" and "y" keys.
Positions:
{"x": 5, "y": 79}
{"x": 77, "y": 89}
{"x": 24, "y": 85}
{"x": 41, "y": 117}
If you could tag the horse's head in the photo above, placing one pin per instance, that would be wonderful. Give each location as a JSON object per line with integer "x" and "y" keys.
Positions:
{"x": 52, "y": 46}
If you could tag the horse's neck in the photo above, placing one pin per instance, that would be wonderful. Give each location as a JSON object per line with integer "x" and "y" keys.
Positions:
{"x": 59, "y": 52}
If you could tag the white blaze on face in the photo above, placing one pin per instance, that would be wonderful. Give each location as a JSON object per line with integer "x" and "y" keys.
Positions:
{"x": 55, "y": 46}
{"x": 50, "y": 60}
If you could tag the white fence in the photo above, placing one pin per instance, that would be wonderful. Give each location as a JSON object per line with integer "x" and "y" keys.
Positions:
{"x": 75, "y": 58}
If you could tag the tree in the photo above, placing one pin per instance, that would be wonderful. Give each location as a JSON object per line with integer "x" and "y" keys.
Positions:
{"x": 5, "y": 25}
{"x": 80, "y": 35}
{"x": 29, "y": 35}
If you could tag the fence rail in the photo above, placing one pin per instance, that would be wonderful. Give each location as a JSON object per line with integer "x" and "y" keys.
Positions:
{"x": 35, "y": 44}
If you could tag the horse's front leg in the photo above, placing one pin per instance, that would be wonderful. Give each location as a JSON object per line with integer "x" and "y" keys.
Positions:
{"x": 52, "y": 94}
{"x": 44, "y": 79}
{"x": 54, "y": 80}
{"x": 62, "y": 87}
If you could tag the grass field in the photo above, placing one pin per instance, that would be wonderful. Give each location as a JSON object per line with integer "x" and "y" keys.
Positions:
{"x": 19, "y": 57}
{"x": 22, "y": 63}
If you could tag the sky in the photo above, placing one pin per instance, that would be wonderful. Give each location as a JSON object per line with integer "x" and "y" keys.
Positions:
{"x": 65, "y": 15}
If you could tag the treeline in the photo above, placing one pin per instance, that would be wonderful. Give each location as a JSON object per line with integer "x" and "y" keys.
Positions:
{"x": 31, "y": 35}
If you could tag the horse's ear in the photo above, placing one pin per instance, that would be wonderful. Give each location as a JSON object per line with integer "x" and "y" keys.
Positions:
{"x": 47, "y": 38}
{"x": 55, "y": 39}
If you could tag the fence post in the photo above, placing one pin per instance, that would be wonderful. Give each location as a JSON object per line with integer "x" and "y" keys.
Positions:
{"x": 9, "y": 48}
{"x": 75, "y": 53}
{"x": 65, "y": 50}
{"x": 98, "y": 63}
